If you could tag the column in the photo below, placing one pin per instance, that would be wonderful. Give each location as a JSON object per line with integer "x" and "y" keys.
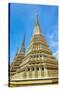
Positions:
{"x": 21, "y": 75}
{"x": 45, "y": 71}
{"x": 25, "y": 73}
{"x": 33, "y": 72}
{"x": 30, "y": 72}
{"x": 39, "y": 72}
{"x": 28, "y": 69}
{"x": 36, "y": 72}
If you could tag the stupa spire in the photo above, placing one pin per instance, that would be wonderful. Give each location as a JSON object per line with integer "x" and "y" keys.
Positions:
{"x": 17, "y": 52}
{"x": 37, "y": 27}
{"x": 22, "y": 50}
{"x": 37, "y": 20}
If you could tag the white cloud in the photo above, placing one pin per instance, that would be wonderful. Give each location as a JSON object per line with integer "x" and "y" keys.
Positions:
{"x": 56, "y": 54}
{"x": 52, "y": 42}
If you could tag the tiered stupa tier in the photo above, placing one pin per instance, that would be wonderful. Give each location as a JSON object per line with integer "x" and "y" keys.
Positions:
{"x": 38, "y": 63}
{"x": 17, "y": 59}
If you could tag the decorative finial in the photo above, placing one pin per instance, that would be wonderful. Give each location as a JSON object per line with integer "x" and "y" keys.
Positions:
{"x": 37, "y": 18}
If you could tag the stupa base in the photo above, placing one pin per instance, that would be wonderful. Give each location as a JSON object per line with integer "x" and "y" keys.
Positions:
{"x": 18, "y": 83}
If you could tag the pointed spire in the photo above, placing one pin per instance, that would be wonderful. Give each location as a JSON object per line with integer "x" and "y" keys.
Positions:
{"x": 36, "y": 20}
{"x": 22, "y": 50}
{"x": 37, "y": 27}
{"x": 17, "y": 52}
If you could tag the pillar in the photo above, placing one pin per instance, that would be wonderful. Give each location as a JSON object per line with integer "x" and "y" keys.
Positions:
{"x": 28, "y": 69}
{"x": 33, "y": 72}
{"x": 45, "y": 70}
{"x": 39, "y": 72}
{"x": 25, "y": 73}
{"x": 36, "y": 72}
{"x": 30, "y": 72}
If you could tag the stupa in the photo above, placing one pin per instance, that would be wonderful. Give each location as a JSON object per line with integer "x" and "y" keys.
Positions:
{"x": 17, "y": 59}
{"x": 37, "y": 66}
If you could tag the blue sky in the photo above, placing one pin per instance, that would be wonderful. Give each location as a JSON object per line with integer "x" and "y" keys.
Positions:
{"x": 22, "y": 21}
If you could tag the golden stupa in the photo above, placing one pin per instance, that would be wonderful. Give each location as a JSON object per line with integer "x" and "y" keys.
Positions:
{"x": 37, "y": 66}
